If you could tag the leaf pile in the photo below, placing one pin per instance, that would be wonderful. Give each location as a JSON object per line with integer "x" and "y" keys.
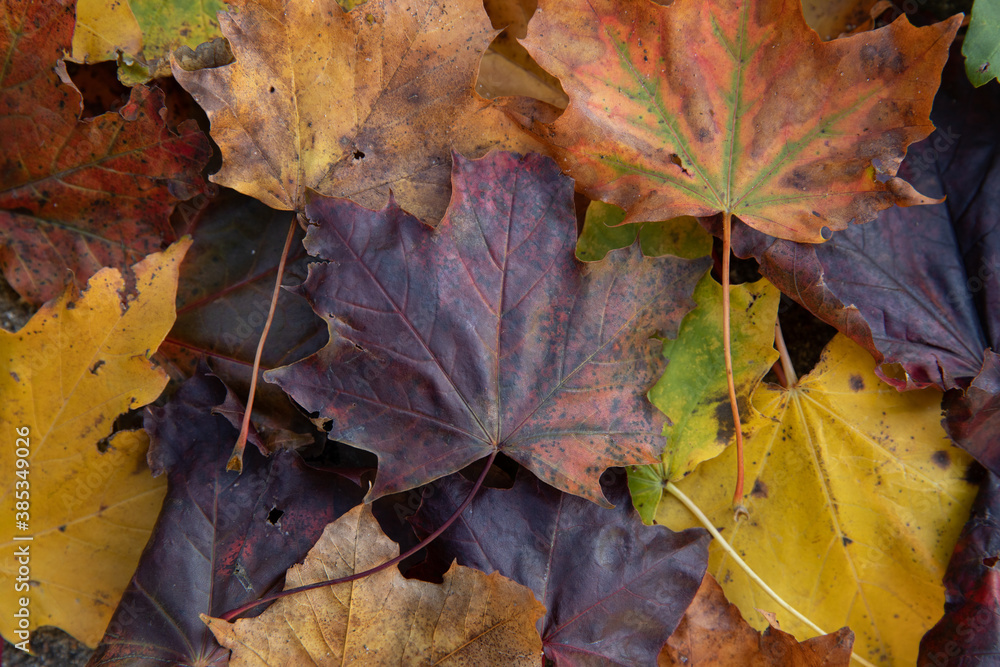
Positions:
{"x": 501, "y": 267}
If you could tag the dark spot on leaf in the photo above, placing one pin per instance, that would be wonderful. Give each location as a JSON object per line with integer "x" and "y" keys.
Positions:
{"x": 274, "y": 516}
{"x": 724, "y": 416}
{"x": 62, "y": 528}
{"x": 941, "y": 459}
{"x": 875, "y": 60}
{"x": 15, "y": 376}
{"x": 102, "y": 444}
{"x": 759, "y": 489}
{"x": 846, "y": 540}
{"x": 272, "y": 89}
{"x": 857, "y": 383}
{"x": 97, "y": 365}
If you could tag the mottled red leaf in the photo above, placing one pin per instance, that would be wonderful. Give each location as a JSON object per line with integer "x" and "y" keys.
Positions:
{"x": 223, "y": 298}
{"x": 76, "y": 195}
{"x": 614, "y": 588}
{"x": 968, "y": 635}
{"x": 222, "y": 539}
{"x": 486, "y": 333}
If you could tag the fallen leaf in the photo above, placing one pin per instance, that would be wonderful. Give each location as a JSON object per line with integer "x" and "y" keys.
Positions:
{"x": 981, "y": 46}
{"x": 80, "y": 362}
{"x": 603, "y": 232}
{"x": 222, "y": 539}
{"x": 693, "y": 391}
{"x": 485, "y": 334}
{"x": 713, "y": 633}
{"x": 856, "y": 499}
{"x": 103, "y": 29}
{"x": 921, "y": 288}
{"x": 738, "y": 107}
{"x": 384, "y": 619}
{"x": 967, "y": 635}
{"x": 223, "y": 298}
{"x": 356, "y": 102}
{"x": 614, "y": 588}
{"x": 79, "y": 195}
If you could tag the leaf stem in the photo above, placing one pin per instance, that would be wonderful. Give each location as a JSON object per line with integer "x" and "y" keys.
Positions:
{"x": 230, "y": 615}
{"x": 791, "y": 379}
{"x": 727, "y": 230}
{"x": 236, "y": 458}
{"x": 731, "y": 552}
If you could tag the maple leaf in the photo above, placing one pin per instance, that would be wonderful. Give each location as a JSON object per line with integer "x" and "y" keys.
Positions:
{"x": 78, "y": 364}
{"x": 920, "y": 288}
{"x": 485, "y": 334}
{"x": 383, "y": 619}
{"x": 967, "y": 635}
{"x": 223, "y": 298}
{"x": 603, "y": 232}
{"x": 846, "y": 468}
{"x": 78, "y": 195}
{"x": 356, "y": 102}
{"x": 714, "y": 634}
{"x": 614, "y": 588}
{"x": 693, "y": 392}
{"x": 223, "y": 539}
{"x": 736, "y": 106}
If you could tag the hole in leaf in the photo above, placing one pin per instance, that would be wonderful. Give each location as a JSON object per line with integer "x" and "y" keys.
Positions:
{"x": 990, "y": 561}
{"x": 826, "y": 233}
{"x": 272, "y": 89}
{"x": 99, "y": 86}
{"x": 358, "y": 155}
{"x": 274, "y": 516}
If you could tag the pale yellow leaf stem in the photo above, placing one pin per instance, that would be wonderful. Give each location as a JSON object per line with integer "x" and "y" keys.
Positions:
{"x": 694, "y": 509}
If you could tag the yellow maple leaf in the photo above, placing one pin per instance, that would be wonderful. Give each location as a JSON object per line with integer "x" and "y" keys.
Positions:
{"x": 472, "y": 618}
{"x": 351, "y": 104}
{"x": 90, "y": 503}
{"x": 856, "y": 500}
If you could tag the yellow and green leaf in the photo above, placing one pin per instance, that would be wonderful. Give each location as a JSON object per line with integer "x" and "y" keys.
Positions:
{"x": 693, "y": 391}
